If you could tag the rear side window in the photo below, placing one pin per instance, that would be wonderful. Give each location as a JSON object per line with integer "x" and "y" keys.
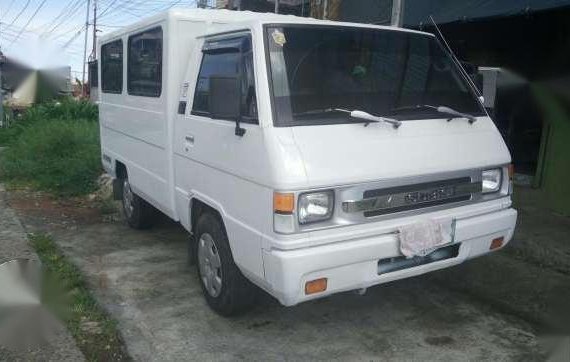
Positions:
{"x": 229, "y": 61}
{"x": 144, "y": 69}
{"x": 93, "y": 80}
{"x": 112, "y": 67}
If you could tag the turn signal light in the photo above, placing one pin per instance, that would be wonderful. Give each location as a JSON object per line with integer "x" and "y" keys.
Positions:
{"x": 316, "y": 286}
{"x": 496, "y": 243}
{"x": 283, "y": 203}
{"x": 511, "y": 171}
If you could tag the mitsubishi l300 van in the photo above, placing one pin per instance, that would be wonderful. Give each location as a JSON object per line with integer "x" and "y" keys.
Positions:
{"x": 304, "y": 157}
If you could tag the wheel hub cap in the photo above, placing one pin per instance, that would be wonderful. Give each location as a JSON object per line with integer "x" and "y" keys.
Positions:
{"x": 128, "y": 198}
{"x": 210, "y": 265}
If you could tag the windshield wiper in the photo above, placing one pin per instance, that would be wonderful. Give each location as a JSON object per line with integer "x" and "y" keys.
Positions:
{"x": 367, "y": 117}
{"x": 441, "y": 109}
{"x": 370, "y": 117}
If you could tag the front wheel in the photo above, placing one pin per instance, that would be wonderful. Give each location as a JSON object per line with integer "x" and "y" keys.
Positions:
{"x": 139, "y": 213}
{"x": 225, "y": 288}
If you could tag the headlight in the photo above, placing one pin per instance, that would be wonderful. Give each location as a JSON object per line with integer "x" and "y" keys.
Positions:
{"x": 492, "y": 180}
{"x": 315, "y": 206}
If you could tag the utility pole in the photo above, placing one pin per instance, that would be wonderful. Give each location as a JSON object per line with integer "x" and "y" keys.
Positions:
{"x": 85, "y": 49}
{"x": 2, "y": 124}
{"x": 276, "y": 6}
{"x": 94, "y": 53}
{"x": 1, "y": 91}
{"x": 325, "y": 9}
{"x": 397, "y": 13}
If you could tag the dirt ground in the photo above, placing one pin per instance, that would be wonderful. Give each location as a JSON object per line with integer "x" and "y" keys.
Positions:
{"x": 492, "y": 308}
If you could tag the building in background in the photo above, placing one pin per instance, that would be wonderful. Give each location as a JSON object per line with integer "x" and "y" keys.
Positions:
{"x": 23, "y": 86}
{"x": 364, "y": 11}
{"x": 290, "y": 7}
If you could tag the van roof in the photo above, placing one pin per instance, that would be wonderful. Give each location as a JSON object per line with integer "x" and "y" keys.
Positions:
{"x": 247, "y": 18}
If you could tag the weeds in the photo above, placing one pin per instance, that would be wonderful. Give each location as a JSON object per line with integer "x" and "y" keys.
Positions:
{"x": 55, "y": 148}
{"x": 66, "y": 109}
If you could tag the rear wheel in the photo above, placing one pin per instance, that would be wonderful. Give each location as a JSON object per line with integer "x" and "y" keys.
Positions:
{"x": 225, "y": 288}
{"x": 139, "y": 213}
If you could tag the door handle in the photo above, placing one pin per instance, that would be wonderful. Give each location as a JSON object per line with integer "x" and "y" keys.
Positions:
{"x": 189, "y": 143}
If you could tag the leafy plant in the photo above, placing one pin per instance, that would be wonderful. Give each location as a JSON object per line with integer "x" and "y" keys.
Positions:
{"x": 57, "y": 149}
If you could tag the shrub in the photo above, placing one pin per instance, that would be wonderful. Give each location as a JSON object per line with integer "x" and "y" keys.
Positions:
{"x": 66, "y": 108}
{"x": 58, "y": 155}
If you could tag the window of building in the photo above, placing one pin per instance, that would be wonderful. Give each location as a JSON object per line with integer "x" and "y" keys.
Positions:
{"x": 112, "y": 67}
{"x": 144, "y": 69}
{"x": 234, "y": 57}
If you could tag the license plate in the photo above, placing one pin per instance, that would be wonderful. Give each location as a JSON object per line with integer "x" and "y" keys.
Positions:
{"x": 424, "y": 237}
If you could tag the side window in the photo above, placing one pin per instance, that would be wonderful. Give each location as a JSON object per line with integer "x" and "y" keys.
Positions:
{"x": 112, "y": 67}
{"x": 144, "y": 67}
{"x": 92, "y": 76}
{"x": 227, "y": 59}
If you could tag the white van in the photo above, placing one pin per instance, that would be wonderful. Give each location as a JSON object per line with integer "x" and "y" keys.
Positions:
{"x": 305, "y": 157}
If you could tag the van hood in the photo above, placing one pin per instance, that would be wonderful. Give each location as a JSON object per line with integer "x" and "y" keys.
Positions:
{"x": 352, "y": 153}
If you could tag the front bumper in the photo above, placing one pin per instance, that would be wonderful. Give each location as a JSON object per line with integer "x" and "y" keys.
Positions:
{"x": 353, "y": 264}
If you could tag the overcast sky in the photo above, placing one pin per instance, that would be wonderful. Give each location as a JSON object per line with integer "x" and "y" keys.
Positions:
{"x": 45, "y": 33}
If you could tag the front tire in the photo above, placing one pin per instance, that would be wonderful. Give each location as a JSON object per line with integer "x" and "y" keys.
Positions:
{"x": 225, "y": 288}
{"x": 139, "y": 213}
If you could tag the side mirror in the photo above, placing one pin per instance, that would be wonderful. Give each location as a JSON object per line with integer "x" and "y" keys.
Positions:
{"x": 225, "y": 100}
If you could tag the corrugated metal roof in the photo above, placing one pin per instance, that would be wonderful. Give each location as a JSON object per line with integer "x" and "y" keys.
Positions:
{"x": 416, "y": 12}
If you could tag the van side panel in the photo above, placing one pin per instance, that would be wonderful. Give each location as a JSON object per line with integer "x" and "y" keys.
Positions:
{"x": 134, "y": 130}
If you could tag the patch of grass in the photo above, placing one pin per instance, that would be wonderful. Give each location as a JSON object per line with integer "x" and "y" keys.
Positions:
{"x": 7, "y": 135}
{"x": 95, "y": 333}
{"x": 66, "y": 108}
{"x": 53, "y": 147}
{"x": 56, "y": 149}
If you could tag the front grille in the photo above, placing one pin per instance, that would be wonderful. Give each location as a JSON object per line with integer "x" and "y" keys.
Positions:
{"x": 411, "y": 197}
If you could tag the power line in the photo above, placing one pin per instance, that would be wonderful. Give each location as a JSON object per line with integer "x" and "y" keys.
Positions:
{"x": 75, "y": 36}
{"x": 28, "y": 23}
{"x": 20, "y": 13}
{"x": 65, "y": 17}
{"x": 8, "y": 10}
{"x": 62, "y": 14}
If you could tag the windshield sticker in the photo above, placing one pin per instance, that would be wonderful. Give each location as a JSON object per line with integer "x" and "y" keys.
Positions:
{"x": 278, "y": 37}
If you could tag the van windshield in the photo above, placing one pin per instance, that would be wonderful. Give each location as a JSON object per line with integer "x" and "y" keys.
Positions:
{"x": 318, "y": 68}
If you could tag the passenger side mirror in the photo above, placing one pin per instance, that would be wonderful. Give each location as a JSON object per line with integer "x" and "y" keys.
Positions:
{"x": 225, "y": 100}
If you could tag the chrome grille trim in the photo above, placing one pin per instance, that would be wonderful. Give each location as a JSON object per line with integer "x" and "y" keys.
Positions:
{"x": 410, "y": 197}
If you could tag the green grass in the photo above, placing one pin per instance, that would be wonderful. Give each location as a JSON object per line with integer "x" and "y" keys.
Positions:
{"x": 54, "y": 147}
{"x": 67, "y": 109}
{"x": 102, "y": 343}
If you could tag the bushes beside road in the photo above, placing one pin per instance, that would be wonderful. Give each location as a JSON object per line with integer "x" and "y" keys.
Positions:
{"x": 54, "y": 147}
